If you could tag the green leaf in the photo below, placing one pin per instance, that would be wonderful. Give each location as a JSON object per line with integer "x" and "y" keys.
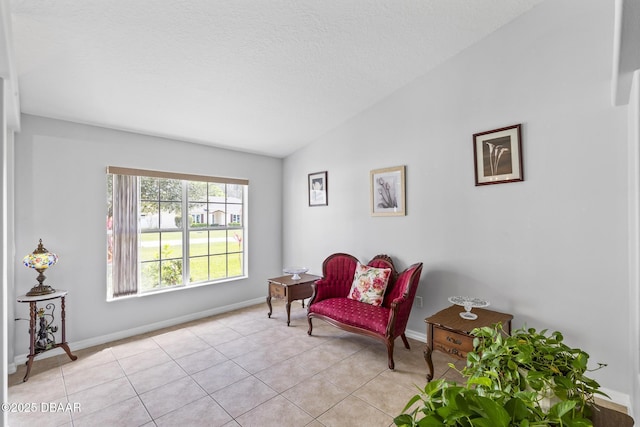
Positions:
{"x": 517, "y": 409}
{"x": 564, "y": 382}
{"x": 430, "y": 421}
{"x": 462, "y": 404}
{"x": 447, "y": 412}
{"x": 482, "y": 422}
{"x": 413, "y": 400}
{"x": 449, "y": 394}
{"x": 493, "y": 411}
{"x": 580, "y": 362}
{"x": 577, "y": 422}
{"x": 483, "y": 381}
{"x": 403, "y": 420}
{"x": 434, "y": 387}
{"x": 561, "y": 408}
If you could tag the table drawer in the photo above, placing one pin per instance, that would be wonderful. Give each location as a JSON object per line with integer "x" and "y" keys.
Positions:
{"x": 452, "y": 343}
{"x": 301, "y": 291}
{"x": 277, "y": 291}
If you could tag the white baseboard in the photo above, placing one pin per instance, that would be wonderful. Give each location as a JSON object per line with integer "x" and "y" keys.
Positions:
{"x": 79, "y": 345}
{"x": 618, "y": 398}
{"x": 416, "y": 335}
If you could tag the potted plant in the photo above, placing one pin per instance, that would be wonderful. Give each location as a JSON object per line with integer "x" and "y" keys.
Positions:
{"x": 528, "y": 378}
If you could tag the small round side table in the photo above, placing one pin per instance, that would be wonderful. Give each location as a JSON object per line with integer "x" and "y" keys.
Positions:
{"x": 43, "y": 340}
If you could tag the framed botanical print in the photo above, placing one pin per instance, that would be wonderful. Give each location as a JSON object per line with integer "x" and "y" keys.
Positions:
{"x": 388, "y": 192}
{"x": 498, "y": 156}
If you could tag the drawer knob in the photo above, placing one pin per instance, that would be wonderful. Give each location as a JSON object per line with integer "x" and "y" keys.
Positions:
{"x": 451, "y": 351}
{"x": 453, "y": 340}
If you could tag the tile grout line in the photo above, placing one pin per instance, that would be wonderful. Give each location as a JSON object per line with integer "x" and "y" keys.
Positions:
{"x": 233, "y": 325}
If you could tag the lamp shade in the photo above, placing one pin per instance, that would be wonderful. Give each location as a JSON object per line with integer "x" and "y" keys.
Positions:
{"x": 39, "y": 261}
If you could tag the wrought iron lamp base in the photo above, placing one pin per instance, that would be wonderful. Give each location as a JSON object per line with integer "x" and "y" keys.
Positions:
{"x": 40, "y": 290}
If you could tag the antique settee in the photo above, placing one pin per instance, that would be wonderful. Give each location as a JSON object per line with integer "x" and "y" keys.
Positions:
{"x": 339, "y": 299}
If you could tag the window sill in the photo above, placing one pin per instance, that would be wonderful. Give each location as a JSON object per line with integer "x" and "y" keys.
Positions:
{"x": 176, "y": 288}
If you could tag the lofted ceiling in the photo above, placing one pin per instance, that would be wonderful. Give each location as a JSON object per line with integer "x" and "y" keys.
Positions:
{"x": 261, "y": 76}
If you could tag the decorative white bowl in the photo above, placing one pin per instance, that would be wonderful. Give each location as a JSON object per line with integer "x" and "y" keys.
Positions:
{"x": 296, "y": 271}
{"x": 468, "y": 303}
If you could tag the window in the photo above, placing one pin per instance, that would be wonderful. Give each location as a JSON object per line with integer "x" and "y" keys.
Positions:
{"x": 168, "y": 230}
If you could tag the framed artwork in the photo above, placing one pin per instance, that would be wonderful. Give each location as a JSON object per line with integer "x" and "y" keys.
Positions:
{"x": 498, "y": 156}
{"x": 318, "y": 190}
{"x": 388, "y": 192}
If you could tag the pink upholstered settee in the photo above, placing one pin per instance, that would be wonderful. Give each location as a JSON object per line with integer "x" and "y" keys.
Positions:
{"x": 385, "y": 322}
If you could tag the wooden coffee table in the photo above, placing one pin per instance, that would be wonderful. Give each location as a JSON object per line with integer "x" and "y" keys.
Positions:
{"x": 285, "y": 287}
{"x": 451, "y": 334}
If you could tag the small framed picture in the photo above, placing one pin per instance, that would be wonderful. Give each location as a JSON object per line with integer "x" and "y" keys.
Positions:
{"x": 388, "y": 192}
{"x": 498, "y": 156}
{"x": 318, "y": 190}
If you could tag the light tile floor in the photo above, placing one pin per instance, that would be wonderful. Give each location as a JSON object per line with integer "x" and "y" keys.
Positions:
{"x": 236, "y": 369}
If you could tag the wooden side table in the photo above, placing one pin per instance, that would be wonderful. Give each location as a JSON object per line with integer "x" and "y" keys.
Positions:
{"x": 451, "y": 334}
{"x": 44, "y": 340}
{"x": 285, "y": 287}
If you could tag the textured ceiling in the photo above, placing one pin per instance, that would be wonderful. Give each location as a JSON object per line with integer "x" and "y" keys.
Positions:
{"x": 263, "y": 76}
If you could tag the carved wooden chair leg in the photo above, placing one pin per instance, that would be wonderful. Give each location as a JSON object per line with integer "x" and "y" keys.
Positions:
{"x": 390, "y": 354}
{"x": 405, "y": 341}
{"x": 310, "y": 326}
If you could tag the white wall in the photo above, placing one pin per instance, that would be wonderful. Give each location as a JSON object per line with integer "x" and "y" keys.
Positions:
{"x": 552, "y": 250}
{"x": 4, "y": 260}
{"x": 634, "y": 236}
{"x": 60, "y": 197}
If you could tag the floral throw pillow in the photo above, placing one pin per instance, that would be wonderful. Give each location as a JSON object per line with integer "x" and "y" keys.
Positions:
{"x": 369, "y": 284}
